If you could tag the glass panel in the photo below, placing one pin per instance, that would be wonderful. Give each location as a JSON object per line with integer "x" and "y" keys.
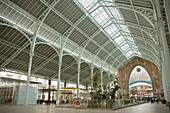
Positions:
{"x": 111, "y": 21}
{"x": 129, "y": 53}
{"x": 87, "y": 4}
{"x": 111, "y": 29}
{"x": 124, "y": 47}
{"x": 119, "y": 40}
{"x": 100, "y": 16}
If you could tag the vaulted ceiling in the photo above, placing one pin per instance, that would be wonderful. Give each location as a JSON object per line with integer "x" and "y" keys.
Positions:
{"x": 108, "y": 33}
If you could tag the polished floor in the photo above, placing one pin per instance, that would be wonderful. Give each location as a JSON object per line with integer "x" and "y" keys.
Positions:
{"x": 143, "y": 108}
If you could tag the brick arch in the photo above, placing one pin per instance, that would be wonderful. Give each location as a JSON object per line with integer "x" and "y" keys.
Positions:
{"x": 124, "y": 73}
{"x": 147, "y": 68}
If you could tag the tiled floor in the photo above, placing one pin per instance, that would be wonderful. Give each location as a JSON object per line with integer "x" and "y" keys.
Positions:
{"x": 143, "y": 108}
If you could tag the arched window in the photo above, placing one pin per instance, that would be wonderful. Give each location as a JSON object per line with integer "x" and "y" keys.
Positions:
{"x": 140, "y": 84}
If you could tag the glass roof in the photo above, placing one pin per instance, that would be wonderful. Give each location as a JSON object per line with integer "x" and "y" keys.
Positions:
{"x": 109, "y": 18}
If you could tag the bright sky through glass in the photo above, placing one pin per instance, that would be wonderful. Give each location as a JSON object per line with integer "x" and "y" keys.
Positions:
{"x": 107, "y": 15}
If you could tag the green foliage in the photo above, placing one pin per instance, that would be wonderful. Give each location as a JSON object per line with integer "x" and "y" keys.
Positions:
{"x": 113, "y": 91}
{"x": 96, "y": 88}
{"x": 97, "y": 95}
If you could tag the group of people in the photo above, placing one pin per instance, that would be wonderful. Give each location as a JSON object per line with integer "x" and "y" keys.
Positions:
{"x": 154, "y": 100}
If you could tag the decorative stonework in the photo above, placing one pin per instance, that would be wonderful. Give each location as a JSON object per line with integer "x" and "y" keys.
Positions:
{"x": 150, "y": 67}
{"x": 138, "y": 70}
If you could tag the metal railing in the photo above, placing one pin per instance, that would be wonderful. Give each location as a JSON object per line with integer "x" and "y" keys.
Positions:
{"x": 100, "y": 103}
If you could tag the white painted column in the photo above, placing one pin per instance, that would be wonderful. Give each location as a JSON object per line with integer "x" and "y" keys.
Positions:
{"x": 30, "y": 63}
{"x": 164, "y": 80}
{"x": 78, "y": 77}
{"x": 28, "y": 80}
{"x": 78, "y": 73}
{"x": 163, "y": 41}
{"x": 166, "y": 58}
{"x": 92, "y": 74}
{"x": 114, "y": 75}
{"x": 101, "y": 75}
{"x": 167, "y": 11}
{"x": 59, "y": 74}
{"x": 109, "y": 73}
{"x": 92, "y": 67}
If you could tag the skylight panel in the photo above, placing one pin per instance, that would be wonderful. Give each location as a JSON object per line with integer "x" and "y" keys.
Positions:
{"x": 134, "y": 47}
{"x": 131, "y": 43}
{"x": 110, "y": 20}
{"x": 124, "y": 28}
{"x": 100, "y": 16}
{"x": 115, "y": 12}
{"x": 109, "y": 3}
{"x": 124, "y": 47}
{"x": 127, "y": 50}
{"x": 130, "y": 39}
{"x": 123, "y": 43}
{"x": 129, "y": 53}
{"x": 119, "y": 40}
{"x": 93, "y": 8}
{"x": 116, "y": 34}
{"x": 88, "y": 3}
{"x": 111, "y": 29}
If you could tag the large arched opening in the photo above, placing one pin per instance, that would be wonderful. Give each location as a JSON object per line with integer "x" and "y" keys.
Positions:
{"x": 140, "y": 83}
{"x": 125, "y": 72}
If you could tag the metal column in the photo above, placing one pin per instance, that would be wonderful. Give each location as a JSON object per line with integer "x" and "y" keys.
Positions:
{"x": 101, "y": 73}
{"x": 92, "y": 74}
{"x": 109, "y": 75}
{"x": 65, "y": 84}
{"x": 78, "y": 78}
{"x": 166, "y": 59}
{"x": 165, "y": 52}
{"x": 59, "y": 74}
{"x": 36, "y": 29}
{"x": 49, "y": 92}
{"x": 164, "y": 79}
{"x": 167, "y": 11}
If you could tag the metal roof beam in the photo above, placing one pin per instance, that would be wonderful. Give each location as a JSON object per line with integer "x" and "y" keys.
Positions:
{"x": 147, "y": 49}
{"x": 43, "y": 63}
{"x": 102, "y": 48}
{"x": 43, "y": 15}
{"x": 154, "y": 56}
{"x": 73, "y": 25}
{"x": 85, "y": 43}
{"x": 139, "y": 24}
{"x": 75, "y": 75}
{"x": 117, "y": 58}
{"x": 26, "y": 63}
{"x": 86, "y": 12}
{"x": 3, "y": 42}
{"x": 27, "y": 15}
{"x": 147, "y": 30}
{"x": 131, "y": 24}
{"x": 148, "y": 58}
{"x": 121, "y": 3}
{"x": 147, "y": 13}
{"x": 148, "y": 41}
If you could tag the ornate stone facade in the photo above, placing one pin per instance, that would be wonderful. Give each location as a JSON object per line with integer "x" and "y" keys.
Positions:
{"x": 152, "y": 69}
